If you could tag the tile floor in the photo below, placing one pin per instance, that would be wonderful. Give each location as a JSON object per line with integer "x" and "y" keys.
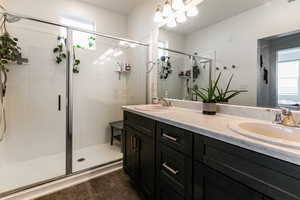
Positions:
{"x": 114, "y": 186}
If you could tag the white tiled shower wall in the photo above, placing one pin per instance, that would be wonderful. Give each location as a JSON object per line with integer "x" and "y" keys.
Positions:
{"x": 98, "y": 92}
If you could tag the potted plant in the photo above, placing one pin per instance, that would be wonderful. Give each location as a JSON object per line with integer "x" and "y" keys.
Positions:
{"x": 225, "y": 95}
{"x": 209, "y": 97}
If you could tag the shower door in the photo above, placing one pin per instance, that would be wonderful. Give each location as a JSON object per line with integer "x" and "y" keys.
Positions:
{"x": 101, "y": 86}
{"x": 33, "y": 149}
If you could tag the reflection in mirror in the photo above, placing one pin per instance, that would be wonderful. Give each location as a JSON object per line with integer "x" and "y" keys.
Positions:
{"x": 260, "y": 72}
{"x": 278, "y": 80}
{"x": 180, "y": 72}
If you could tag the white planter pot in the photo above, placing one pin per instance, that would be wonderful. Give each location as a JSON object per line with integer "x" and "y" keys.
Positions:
{"x": 209, "y": 108}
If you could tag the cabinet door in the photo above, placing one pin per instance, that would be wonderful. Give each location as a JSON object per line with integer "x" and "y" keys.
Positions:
{"x": 212, "y": 185}
{"x": 146, "y": 164}
{"x": 167, "y": 193}
{"x": 130, "y": 155}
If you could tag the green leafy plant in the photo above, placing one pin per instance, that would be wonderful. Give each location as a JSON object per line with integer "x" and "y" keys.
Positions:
{"x": 10, "y": 52}
{"x": 208, "y": 95}
{"x": 59, "y": 50}
{"x": 225, "y": 95}
{"x": 76, "y": 62}
{"x": 92, "y": 41}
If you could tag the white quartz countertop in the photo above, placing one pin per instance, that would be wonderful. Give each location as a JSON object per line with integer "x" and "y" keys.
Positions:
{"x": 217, "y": 127}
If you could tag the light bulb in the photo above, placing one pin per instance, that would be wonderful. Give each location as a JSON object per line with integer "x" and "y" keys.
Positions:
{"x": 178, "y": 5}
{"x": 167, "y": 10}
{"x": 171, "y": 23}
{"x": 158, "y": 17}
{"x": 192, "y": 11}
{"x": 181, "y": 17}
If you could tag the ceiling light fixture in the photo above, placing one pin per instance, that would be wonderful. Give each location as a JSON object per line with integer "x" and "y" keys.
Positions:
{"x": 192, "y": 11}
{"x": 176, "y": 10}
{"x": 158, "y": 17}
{"x": 181, "y": 17}
{"x": 178, "y": 5}
{"x": 167, "y": 10}
{"x": 171, "y": 22}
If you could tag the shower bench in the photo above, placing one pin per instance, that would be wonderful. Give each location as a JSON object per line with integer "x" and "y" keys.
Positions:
{"x": 118, "y": 126}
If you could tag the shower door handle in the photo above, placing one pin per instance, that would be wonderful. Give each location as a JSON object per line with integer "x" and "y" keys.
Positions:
{"x": 59, "y": 102}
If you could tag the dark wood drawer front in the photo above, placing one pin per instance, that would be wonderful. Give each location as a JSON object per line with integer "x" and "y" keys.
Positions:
{"x": 175, "y": 168}
{"x": 262, "y": 173}
{"x": 142, "y": 124}
{"x": 176, "y": 138}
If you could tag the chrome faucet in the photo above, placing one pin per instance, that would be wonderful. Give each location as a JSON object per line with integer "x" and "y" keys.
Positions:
{"x": 165, "y": 102}
{"x": 285, "y": 118}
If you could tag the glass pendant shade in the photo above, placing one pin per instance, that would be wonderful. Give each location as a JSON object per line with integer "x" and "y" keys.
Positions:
{"x": 178, "y": 5}
{"x": 181, "y": 17}
{"x": 158, "y": 17}
{"x": 167, "y": 10}
{"x": 192, "y": 11}
{"x": 171, "y": 23}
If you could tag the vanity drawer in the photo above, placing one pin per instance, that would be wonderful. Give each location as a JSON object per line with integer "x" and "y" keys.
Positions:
{"x": 176, "y": 138}
{"x": 175, "y": 168}
{"x": 272, "y": 177}
{"x": 140, "y": 123}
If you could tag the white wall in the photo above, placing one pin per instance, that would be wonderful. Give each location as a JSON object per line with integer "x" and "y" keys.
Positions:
{"x": 106, "y": 21}
{"x": 142, "y": 28}
{"x": 235, "y": 41}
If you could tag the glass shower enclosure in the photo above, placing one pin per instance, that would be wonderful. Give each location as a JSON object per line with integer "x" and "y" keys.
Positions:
{"x": 58, "y": 111}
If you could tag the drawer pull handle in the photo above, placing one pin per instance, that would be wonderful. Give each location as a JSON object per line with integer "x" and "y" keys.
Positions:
{"x": 170, "y": 169}
{"x": 169, "y": 137}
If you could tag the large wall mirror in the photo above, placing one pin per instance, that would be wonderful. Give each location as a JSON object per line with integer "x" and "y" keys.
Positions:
{"x": 253, "y": 43}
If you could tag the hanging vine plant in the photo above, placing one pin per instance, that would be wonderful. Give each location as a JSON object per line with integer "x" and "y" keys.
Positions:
{"x": 10, "y": 52}
{"x": 59, "y": 50}
{"x": 60, "y": 53}
{"x": 76, "y": 62}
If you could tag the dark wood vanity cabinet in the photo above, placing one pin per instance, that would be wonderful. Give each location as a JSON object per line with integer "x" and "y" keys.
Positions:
{"x": 210, "y": 184}
{"x": 139, "y": 153}
{"x": 169, "y": 163}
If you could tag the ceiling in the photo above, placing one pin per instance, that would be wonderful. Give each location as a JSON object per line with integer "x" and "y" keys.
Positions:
{"x": 120, "y": 6}
{"x": 214, "y": 11}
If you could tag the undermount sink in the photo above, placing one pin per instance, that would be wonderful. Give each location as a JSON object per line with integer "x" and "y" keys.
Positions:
{"x": 151, "y": 107}
{"x": 270, "y": 133}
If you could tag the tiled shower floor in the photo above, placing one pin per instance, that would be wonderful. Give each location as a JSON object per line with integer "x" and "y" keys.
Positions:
{"x": 40, "y": 169}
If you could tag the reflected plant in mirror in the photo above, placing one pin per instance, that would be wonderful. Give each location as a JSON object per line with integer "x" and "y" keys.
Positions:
{"x": 209, "y": 97}
{"x": 224, "y": 95}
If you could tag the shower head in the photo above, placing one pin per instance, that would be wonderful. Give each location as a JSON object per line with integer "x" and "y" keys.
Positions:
{"x": 12, "y": 18}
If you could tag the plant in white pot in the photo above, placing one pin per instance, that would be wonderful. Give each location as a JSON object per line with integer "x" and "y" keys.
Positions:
{"x": 209, "y": 97}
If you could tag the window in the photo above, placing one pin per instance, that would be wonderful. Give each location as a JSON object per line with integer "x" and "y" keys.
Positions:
{"x": 161, "y": 52}
{"x": 288, "y": 78}
{"x": 81, "y": 39}
{"x": 288, "y": 74}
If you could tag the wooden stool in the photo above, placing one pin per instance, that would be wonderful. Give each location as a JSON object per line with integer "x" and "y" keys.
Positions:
{"x": 117, "y": 125}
